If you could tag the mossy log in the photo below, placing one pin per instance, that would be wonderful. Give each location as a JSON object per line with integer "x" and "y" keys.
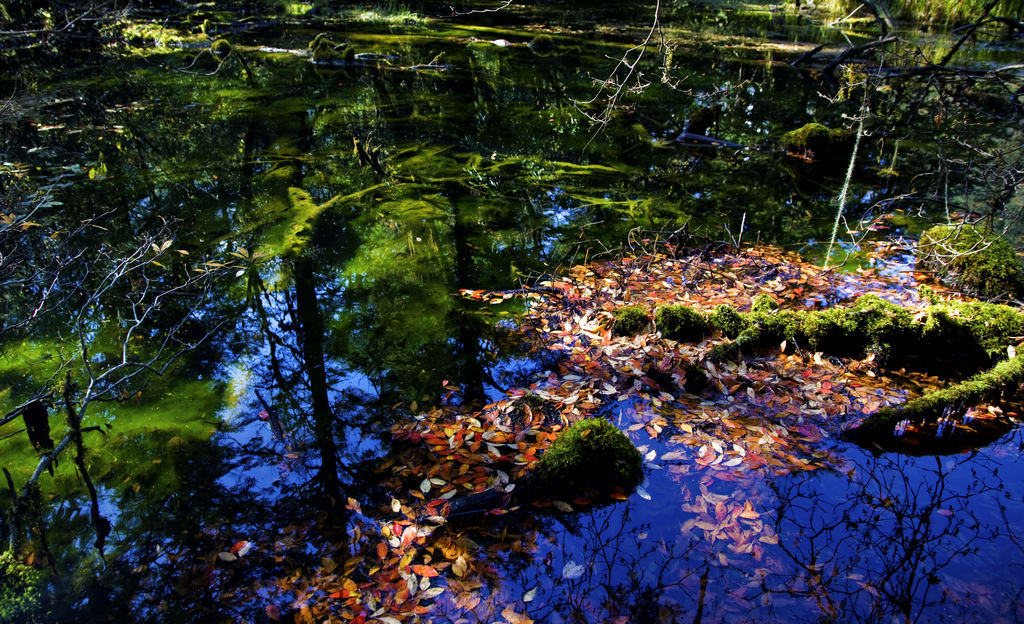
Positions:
{"x": 971, "y": 334}
{"x": 976, "y": 333}
{"x": 989, "y": 385}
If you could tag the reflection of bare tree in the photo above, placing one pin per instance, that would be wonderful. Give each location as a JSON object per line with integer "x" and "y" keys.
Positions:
{"x": 621, "y": 571}
{"x": 899, "y": 543}
{"x": 135, "y": 309}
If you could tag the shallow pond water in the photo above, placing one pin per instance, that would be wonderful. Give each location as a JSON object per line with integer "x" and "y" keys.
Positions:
{"x": 353, "y": 201}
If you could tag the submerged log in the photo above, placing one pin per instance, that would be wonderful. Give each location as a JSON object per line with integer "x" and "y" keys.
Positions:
{"x": 885, "y": 424}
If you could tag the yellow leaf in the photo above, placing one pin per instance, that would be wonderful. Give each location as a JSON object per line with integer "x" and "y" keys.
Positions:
{"x": 433, "y": 592}
{"x": 460, "y": 567}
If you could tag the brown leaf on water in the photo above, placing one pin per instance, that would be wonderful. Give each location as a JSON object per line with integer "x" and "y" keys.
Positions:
{"x": 512, "y": 617}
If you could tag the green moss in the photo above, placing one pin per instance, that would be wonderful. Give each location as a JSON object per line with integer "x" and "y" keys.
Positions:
{"x": 971, "y": 259}
{"x": 326, "y": 51}
{"x": 220, "y": 48}
{"x": 816, "y": 142}
{"x": 881, "y": 321}
{"x": 764, "y": 303}
{"x": 978, "y": 330}
{"x": 766, "y": 324}
{"x": 679, "y": 322}
{"x": 591, "y": 452}
{"x": 871, "y": 324}
{"x": 541, "y": 45}
{"x": 22, "y": 592}
{"x": 630, "y": 320}
{"x": 728, "y": 320}
{"x": 829, "y": 330}
{"x": 782, "y": 325}
{"x": 989, "y": 385}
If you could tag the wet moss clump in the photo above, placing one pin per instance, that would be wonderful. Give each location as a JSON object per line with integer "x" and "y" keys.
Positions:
{"x": 326, "y": 52}
{"x": 763, "y": 304}
{"x": 630, "y": 321}
{"x": 816, "y": 142}
{"x": 682, "y": 323}
{"x": 977, "y": 331}
{"x": 221, "y": 48}
{"x": 592, "y": 452}
{"x": 541, "y": 45}
{"x": 975, "y": 261}
{"x": 728, "y": 320}
{"x": 22, "y": 597}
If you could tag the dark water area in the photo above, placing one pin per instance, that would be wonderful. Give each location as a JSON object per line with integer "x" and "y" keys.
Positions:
{"x": 339, "y": 209}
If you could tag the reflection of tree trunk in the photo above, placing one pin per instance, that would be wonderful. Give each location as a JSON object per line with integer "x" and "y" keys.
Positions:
{"x": 310, "y": 328}
{"x": 468, "y": 332}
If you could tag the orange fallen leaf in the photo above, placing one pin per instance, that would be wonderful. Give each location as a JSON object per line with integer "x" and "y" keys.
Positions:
{"x": 424, "y": 570}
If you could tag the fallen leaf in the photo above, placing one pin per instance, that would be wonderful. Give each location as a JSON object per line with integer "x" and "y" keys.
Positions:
{"x": 424, "y": 570}
{"x": 572, "y": 570}
{"x": 562, "y": 506}
{"x": 433, "y": 592}
{"x": 512, "y": 617}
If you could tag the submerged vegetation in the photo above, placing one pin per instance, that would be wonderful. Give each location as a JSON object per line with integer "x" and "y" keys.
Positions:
{"x": 22, "y": 597}
{"x": 953, "y": 12}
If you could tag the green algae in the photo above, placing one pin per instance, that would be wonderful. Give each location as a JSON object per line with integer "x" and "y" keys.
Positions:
{"x": 133, "y": 439}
